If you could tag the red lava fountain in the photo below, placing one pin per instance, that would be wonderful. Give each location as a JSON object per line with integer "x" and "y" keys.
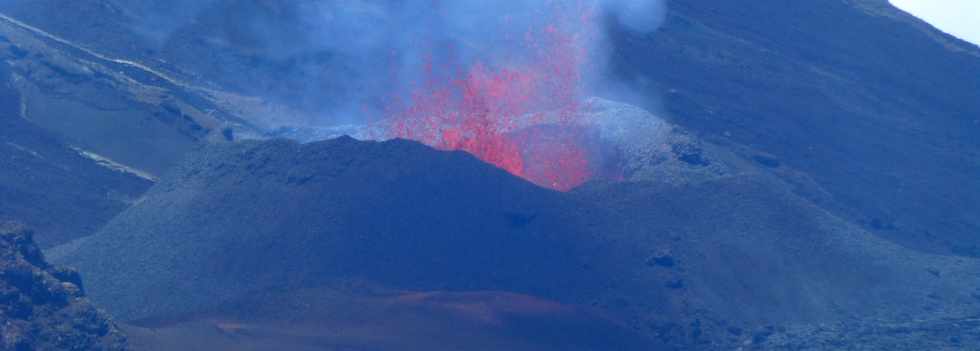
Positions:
{"x": 479, "y": 108}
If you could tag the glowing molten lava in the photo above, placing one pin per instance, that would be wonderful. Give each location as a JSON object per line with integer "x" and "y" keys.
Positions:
{"x": 484, "y": 108}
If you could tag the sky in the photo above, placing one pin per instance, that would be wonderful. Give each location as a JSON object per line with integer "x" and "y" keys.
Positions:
{"x": 957, "y": 17}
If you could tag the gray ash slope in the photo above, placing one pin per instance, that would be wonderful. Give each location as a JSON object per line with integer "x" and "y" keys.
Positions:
{"x": 83, "y": 134}
{"x": 140, "y": 116}
{"x": 682, "y": 263}
{"x": 749, "y": 264}
{"x": 50, "y": 186}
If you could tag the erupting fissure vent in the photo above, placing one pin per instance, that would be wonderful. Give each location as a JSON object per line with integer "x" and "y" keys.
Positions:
{"x": 487, "y": 108}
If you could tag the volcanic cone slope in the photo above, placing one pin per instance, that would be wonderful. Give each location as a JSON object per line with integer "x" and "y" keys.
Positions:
{"x": 682, "y": 262}
{"x": 239, "y": 218}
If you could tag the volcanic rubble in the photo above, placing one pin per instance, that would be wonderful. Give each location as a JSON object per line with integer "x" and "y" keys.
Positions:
{"x": 43, "y": 307}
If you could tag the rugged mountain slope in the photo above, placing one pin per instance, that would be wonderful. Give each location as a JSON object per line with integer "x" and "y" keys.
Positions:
{"x": 682, "y": 262}
{"x": 260, "y": 48}
{"x": 138, "y": 116}
{"x": 84, "y": 134}
{"x": 875, "y": 106}
{"x": 43, "y": 307}
{"x": 52, "y": 186}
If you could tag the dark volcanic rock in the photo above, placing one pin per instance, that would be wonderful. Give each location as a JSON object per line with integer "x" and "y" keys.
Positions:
{"x": 43, "y": 307}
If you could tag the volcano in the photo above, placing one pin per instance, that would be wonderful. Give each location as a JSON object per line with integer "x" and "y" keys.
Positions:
{"x": 474, "y": 108}
{"x": 751, "y": 175}
{"x": 664, "y": 258}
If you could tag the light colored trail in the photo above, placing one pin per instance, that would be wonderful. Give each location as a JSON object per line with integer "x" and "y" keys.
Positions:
{"x": 113, "y": 165}
{"x": 66, "y": 42}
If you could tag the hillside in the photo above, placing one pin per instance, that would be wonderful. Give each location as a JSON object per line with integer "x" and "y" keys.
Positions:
{"x": 136, "y": 115}
{"x": 54, "y": 186}
{"x": 267, "y": 49}
{"x": 875, "y": 106}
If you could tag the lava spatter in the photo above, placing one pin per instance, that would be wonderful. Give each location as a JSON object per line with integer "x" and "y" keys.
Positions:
{"x": 479, "y": 108}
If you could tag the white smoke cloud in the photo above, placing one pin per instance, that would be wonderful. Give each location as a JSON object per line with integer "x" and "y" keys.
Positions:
{"x": 377, "y": 49}
{"x": 638, "y": 15}
{"x": 390, "y": 42}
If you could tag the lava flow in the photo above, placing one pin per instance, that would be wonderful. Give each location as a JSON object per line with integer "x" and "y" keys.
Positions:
{"x": 481, "y": 108}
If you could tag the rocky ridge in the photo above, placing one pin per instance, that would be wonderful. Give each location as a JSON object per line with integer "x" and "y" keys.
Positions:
{"x": 43, "y": 307}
